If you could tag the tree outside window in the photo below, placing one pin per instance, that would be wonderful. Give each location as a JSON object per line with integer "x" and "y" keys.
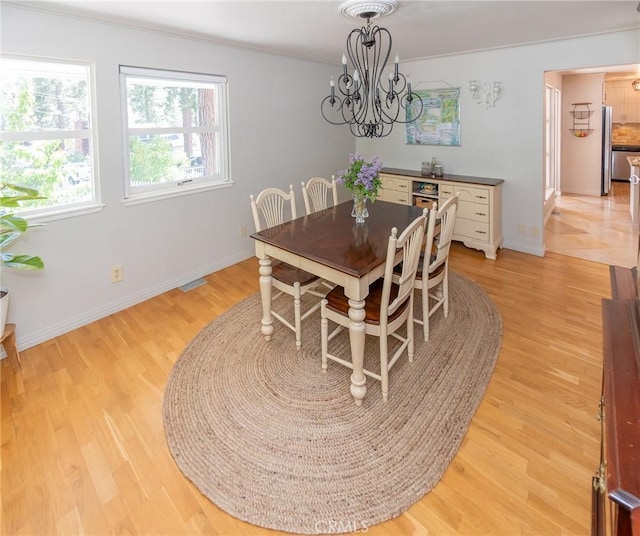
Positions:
{"x": 45, "y": 131}
{"x": 175, "y": 127}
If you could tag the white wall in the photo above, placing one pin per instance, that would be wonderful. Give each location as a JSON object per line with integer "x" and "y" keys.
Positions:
{"x": 278, "y": 137}
{"x": 582, "y": 157}
{"x": 505, "y": 141}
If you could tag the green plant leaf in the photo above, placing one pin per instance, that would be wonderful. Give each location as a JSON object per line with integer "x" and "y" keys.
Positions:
{"x": 15, "y": 223}
{"x": 7, "y": 237}
{"x": 29, "y": 193}
{"x": 12, "y": 227}
{"x": 14, "y": 200}
{"x": 24, "y": 262}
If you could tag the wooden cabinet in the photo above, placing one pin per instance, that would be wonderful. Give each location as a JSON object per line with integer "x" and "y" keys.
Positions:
{"x": 472, "y": 220}
{"x": 618, "y": 476}
{"x": 479, "y": 219}
{"x": 614, "y": 96}
{"x": 396, "y": 189}
{"x": 624, "y": 101}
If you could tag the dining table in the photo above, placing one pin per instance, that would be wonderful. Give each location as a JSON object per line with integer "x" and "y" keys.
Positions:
{"x": 330, "y": 244}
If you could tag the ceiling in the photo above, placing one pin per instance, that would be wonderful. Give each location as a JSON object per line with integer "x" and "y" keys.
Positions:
{"x": 315, "y": 30}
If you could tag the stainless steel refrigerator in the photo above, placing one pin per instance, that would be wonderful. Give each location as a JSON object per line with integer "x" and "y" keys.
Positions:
{"x": 606, "y": 151}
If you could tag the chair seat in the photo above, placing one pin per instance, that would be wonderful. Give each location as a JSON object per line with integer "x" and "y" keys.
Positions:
{"x": 339, "y": 303}
{"x": 397, "y": 270}
{"x": 441, "y": 268}
{"x": 289, "y": 275}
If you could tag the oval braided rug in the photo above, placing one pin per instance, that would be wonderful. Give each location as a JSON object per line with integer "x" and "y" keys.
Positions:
{"x": 271, "y": 440}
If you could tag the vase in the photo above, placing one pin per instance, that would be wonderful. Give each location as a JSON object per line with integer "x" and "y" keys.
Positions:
{"x": 359, "y": 211}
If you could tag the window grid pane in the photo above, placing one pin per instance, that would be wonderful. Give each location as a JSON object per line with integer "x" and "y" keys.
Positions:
{"x": 174, "y": 129}
{"x": 45, "y": 119}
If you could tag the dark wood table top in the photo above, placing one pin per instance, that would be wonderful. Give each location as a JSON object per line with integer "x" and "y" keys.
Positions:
{"x": 332, "y": 237}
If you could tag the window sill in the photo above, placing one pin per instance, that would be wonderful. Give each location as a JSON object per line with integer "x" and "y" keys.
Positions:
{"x": 61, "y": 213}
{"x": 150, "y": 197}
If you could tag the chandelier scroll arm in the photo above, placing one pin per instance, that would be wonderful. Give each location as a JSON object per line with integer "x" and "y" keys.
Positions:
{"x": 370, "y": 100}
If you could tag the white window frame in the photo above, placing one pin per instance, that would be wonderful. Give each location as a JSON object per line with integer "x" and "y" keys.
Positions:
{"x": 142, "y": 194}
{"x": 89, "y": 206}
{"x": 551, "y": 142}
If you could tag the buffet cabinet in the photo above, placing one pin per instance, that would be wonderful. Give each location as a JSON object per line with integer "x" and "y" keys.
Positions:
{"x": 479, "y": 219}
{"x": 616, "y": 484}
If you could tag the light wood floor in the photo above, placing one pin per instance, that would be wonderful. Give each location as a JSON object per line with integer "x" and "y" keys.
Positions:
{"x": 594, "y": 228}
{"x": 84, "y": 452}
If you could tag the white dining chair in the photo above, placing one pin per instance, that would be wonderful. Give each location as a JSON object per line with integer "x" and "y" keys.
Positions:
{"x": 269, "y": 209}
{"x": 388, "y": 306}
{"x": 432, "y": 279}
{"x": 316, "y": 193}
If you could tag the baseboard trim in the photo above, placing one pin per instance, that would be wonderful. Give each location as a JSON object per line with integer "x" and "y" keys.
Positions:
{"x": 537, "y": 251}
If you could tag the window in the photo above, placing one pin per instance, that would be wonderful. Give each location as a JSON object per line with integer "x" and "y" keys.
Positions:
{"x": 46, "y": 135}
{"x": 175, "y": 131}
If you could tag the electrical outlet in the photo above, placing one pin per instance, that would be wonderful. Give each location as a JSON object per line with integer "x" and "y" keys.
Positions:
{"x": 522, "y": 229}
{"x": 243, "y": 230}
{"x": 116, "y": 273}
{"x": 535, "y": 232}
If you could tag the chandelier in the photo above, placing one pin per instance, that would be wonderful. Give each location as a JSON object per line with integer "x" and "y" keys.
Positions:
{"x": 368, "y": 99}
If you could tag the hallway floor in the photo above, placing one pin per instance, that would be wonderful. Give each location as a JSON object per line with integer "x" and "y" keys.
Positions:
{"x": 594, "y": 228}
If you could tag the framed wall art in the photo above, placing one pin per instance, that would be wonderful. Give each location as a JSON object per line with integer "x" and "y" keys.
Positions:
{"x": 439, "y": 122}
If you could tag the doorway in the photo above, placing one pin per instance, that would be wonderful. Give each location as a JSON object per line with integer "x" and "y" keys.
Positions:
{"x": 578, "y": 223}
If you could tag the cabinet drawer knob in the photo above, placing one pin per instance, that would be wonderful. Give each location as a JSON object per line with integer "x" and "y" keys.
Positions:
{"x": 480, "y": 214}
{"x": 481, "y": 196}
{"x": 481, "y": 232}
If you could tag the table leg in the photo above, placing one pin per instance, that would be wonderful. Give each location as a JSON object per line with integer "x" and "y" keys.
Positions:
{"x": 265, "y": 293}
{"x": 356, "y": 338}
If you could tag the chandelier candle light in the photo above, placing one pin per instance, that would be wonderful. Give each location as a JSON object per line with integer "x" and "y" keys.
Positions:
{"x": 369, "y": 101}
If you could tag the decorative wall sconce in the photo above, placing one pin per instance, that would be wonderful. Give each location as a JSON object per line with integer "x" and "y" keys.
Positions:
{"x": 636, "y": 83}
{"x": 485, "y": 93}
